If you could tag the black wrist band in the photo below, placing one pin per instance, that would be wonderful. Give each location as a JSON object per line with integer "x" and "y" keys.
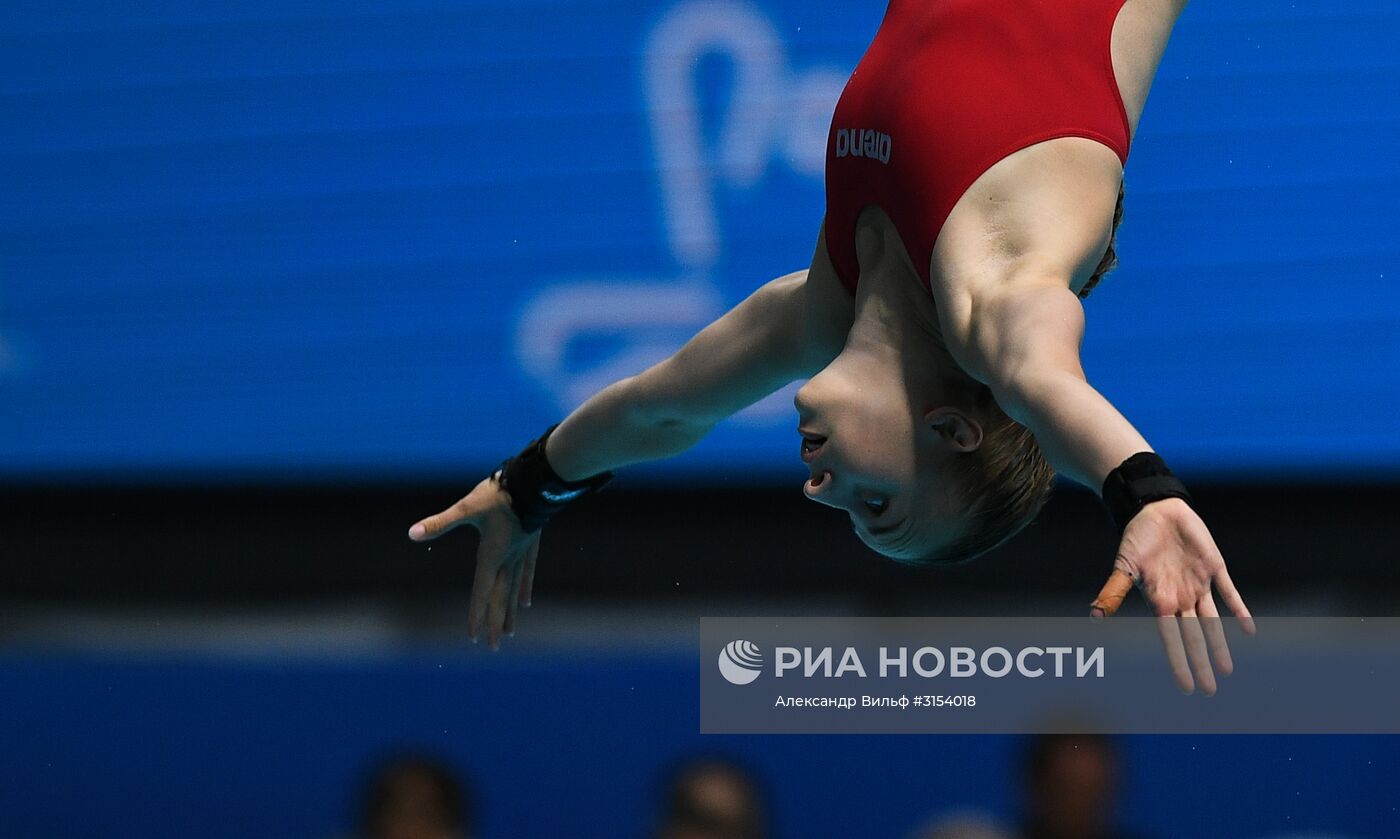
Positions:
{"x": 536, "y": 490}
{"x": 1138, "y": 481}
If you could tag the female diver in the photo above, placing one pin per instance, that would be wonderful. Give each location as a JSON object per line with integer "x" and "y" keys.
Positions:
{"x": 974, "y": 185}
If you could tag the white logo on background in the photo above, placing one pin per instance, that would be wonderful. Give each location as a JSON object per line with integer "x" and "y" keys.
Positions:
{"x": 776, "y": 112}
{"x": 740, "y": 662}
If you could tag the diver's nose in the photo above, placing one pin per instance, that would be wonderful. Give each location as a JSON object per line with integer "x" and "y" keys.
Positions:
{"x": 819, "y": 489}
{"x": 800, "y": 399}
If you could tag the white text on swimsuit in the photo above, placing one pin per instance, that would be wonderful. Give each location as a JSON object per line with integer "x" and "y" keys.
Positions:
{"x": 863, "y": 142}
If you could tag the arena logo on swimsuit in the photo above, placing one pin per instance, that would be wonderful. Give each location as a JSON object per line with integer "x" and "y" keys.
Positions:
{"x": 863, "y": 142}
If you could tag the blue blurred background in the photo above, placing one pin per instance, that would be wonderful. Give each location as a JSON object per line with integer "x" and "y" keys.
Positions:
{"x": 243, "y": 239}
{"x": 279, "y": 278}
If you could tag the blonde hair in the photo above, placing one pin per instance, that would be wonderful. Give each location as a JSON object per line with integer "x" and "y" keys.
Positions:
{"x": 1004, "y": 481}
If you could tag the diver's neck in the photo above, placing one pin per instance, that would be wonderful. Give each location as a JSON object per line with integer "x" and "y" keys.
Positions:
{"x": 894, "y": 313}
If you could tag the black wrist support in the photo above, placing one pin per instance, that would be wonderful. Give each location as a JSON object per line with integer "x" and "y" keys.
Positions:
{"x": 536, "y": 490}
{"x": 1139, "y": 480}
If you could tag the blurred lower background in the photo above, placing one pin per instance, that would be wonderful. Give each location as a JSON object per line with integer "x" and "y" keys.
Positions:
{"x": 281, "y": 661}
{"x": 277, "y": 280}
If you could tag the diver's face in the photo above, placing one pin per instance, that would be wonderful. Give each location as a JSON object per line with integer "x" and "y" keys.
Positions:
{"x": 863, "y": 440}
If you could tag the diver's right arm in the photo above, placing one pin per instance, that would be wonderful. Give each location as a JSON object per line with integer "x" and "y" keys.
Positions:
{"x": 785, "y": 330}
{"x": 754, "y": 349}
{"x": 788, "y": 329}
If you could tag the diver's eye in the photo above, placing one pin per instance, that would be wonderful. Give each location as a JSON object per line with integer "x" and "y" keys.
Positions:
{"x": 877, "y": 505}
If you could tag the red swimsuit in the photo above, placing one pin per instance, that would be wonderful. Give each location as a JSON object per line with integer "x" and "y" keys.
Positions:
{"x": 947, "y": 89}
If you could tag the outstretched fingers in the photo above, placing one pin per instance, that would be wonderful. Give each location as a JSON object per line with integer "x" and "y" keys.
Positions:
{"x": 1170, "y": 632}
{"x": 496, "y": 605}
{"x": 501, "y": 606}
{"x": 491, "y": 555}
{"x": 1196, "y": 651}
{"x": 505, "y": 559}
{"x": 1215, "y": 635}
{"x": 527, "y": 581}
{"x": 460, "y": 513}
{"x": 516, "y": 577}
{"x": 1231, "y": 597}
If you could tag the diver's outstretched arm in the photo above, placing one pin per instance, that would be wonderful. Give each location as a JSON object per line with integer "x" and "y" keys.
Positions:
{"x": 1025, "y": 345}
{"x": 751, "y": 351}
{"x": 775, "y": 336}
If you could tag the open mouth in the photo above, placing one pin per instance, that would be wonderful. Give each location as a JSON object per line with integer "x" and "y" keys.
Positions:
{"x": 811, "y": 444}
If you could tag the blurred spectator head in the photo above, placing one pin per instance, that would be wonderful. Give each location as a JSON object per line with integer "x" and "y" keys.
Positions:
{"x": 1071, "y": 786}
{"x": 964, "y": 826}
{"x": 412, "y": 796}
{"x": 713, "y": 798}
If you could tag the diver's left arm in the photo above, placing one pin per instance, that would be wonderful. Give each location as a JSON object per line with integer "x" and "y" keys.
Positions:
{"x": 1024, "y": 344}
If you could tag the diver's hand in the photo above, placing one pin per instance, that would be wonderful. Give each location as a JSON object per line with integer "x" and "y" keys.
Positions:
{"x": 505, "y": 558}
{"x": 1167, "y": 551}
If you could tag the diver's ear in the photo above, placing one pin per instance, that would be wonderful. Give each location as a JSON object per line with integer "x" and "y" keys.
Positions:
{"x": 959, "y": 429}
